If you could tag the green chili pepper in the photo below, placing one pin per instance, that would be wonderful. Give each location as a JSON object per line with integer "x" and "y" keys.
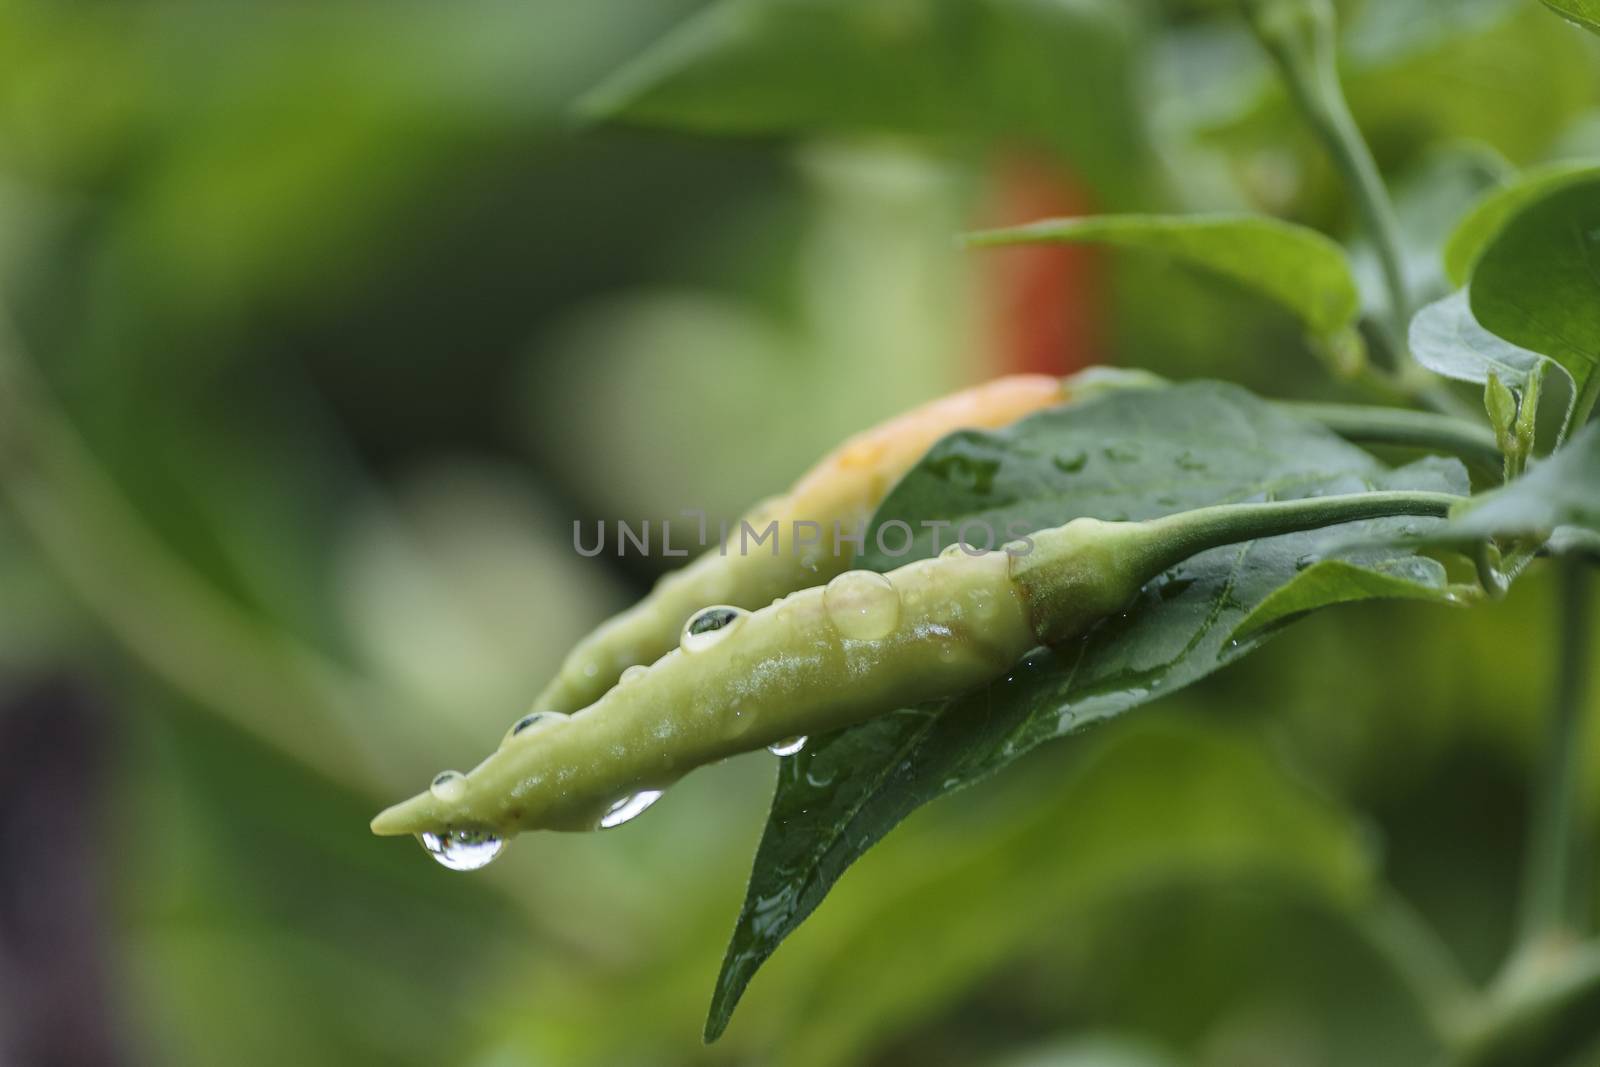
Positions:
{"x": 844, "y": 489}
{"x": 828, "y": 657}
{"x": 840, "y": 492}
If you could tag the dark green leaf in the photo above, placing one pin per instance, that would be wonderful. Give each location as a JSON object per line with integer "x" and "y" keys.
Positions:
{"x": 1163, "y": 799}
{"x": 1340, "y": 581}
{"x": 1052, "y": 75}
{"x": 1585, "y": 13}
{"x": 1474, "y": 232}
{"x": 1297, "y": 267}
{"x": 1537, "y": 284}
{"x": 1128, "y": 455}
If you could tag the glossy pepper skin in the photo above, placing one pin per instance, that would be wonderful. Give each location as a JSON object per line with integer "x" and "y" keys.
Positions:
{"x": 829, "y": 657}
{"x": 845, "y": 487}
{"x": 786, "y": 669}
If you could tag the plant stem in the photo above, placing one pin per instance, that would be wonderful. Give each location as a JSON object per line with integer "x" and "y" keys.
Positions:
{"x": 1419, "y": 958}
{"x": 1298, "y": 35}
{"x": 1550, "y": 912}
{"x": 1365, "y": 424}
{"x": 1171, "y": 540}
{"x": 1545, "y": 1019}
{"x": 1583, "y": 406}
{"x": 1080, "y": 572}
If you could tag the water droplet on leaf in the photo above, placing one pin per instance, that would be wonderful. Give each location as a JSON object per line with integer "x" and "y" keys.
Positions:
{"x": 862, "y": 605}
{"x": 1121, "y": 453}
{"x": 462, "y": 850}
{"x": 1173, "y": 588}
{"x": 978, "y": 472}
{"x": 633, "y": 674}
{"x": 1071, "y": 462}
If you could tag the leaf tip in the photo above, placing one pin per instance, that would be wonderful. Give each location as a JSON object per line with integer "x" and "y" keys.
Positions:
{"x": 723, "y": 1000}
{"x": 1036, "y": 232}
{"x": 980, "y": 238}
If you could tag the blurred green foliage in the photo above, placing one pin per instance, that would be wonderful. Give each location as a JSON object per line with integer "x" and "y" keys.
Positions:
{"x": 333, "y": 317}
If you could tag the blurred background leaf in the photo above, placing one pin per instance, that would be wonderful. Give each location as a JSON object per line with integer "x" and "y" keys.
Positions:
{"x": 1296, "y": 267}
{"x": 984, "y": 71}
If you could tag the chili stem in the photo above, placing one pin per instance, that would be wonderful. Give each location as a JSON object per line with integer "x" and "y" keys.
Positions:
{"x": 1365, "y": 424}
{"x": 1173, "y": 539}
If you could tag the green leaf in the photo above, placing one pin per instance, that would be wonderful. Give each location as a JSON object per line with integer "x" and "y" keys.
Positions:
{"x": 1419, "y": 72}
{"x": 1447, "y": 340}
{"x": 1537, "y": 284}
{"x": 1474, "y": 232}
{"x": 1299, "y": 268}
{"x": 1585, "y": 13}
{"x": 1052, "y": 75}
{"x": 1128, "y": 455}
{"x": 1557, "y": 502}
{"x": 1159, "y": 801}
{"x": 1400, "y": 28}
{"x": 1497, "y": 71}
{"x": 1561, "y": 491}
{"x": 1339, "y": 581}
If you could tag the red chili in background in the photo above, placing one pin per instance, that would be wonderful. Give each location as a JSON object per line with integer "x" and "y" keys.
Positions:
{"x": 1042, "y": 303}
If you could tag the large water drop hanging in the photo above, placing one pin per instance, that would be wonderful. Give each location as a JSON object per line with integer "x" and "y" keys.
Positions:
{"x": 462, "y": 850}
{"x": 629, "y": 808}
{"x": 788, "y": 746}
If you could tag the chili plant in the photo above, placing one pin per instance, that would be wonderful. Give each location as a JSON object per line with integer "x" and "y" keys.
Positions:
{"x": 1171, "y": 529}
{"x": 1359, "y": 366}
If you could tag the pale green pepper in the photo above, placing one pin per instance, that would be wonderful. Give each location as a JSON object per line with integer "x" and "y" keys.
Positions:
{"x": 841, "y": 491}
{"x": 828, "y": 657}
